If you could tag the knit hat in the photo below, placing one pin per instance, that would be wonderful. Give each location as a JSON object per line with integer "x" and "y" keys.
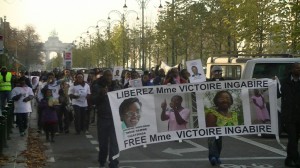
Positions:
{"x": 216, "y": 68}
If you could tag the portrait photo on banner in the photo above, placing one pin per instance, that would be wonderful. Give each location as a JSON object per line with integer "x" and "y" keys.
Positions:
{"x": 260, "y": 106}
{"x": 165, "y": 108}
{"x": 136, "y": 113}
{"x": 196, "y": 71}
{"x": 225, "y": 106}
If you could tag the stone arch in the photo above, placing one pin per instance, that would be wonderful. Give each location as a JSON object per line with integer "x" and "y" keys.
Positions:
{"x": 53, "y": 44}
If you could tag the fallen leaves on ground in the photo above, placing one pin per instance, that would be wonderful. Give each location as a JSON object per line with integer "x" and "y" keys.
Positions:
{"x": 3, "y": 159}
{"x": 35, "y": 153}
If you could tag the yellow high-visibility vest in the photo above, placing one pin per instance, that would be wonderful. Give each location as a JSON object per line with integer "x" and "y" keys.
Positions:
{"x": 5, "y": 86}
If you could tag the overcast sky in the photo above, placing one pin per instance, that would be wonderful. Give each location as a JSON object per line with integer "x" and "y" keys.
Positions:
{"x": 69, "y": 18}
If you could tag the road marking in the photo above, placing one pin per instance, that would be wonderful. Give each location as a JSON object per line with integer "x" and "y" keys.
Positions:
{"x": 179, "y": 152}
{"x": 89, "y": 136}
{"x": 94, "y": 142}
{"x": 263, "y": 146}
{"x": 48, "y": 151}
{"x": 51, "y": 159}
{"x": 200, "y": 159}
{"x": 193, "y": 143}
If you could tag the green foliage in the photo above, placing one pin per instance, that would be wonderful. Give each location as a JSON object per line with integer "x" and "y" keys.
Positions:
{"x": 188, "y": 29}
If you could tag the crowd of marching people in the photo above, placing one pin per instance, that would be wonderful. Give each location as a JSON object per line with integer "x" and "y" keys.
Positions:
{"x": 63, "y": 97}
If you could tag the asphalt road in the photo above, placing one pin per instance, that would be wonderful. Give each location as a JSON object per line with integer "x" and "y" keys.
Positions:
{"x": 252, "y": 151}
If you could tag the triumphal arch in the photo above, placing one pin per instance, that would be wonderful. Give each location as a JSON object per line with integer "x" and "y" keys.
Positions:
{"x": 53, "y": 44}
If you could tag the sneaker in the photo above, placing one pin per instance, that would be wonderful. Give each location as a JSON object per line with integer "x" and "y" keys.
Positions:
{"x": 213, "y": 161}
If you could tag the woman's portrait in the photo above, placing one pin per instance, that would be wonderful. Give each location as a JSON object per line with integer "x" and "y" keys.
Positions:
{"x": 130, "y": 112}
{"x": 221, "y": 114}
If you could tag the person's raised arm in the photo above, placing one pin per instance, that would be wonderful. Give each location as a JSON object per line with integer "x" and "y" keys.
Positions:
{"x": 178, "y": 117}
{"x": 163, "y": 115}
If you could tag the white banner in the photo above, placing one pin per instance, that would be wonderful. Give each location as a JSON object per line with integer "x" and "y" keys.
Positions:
{"x": 147, "y": 115}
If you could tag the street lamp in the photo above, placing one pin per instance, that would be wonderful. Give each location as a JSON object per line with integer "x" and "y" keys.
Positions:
{"x": 143, "y": 4}
{"x": 123, "y": 19}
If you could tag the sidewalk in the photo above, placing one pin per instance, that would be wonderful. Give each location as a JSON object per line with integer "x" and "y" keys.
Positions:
{"x": 17, "y": 144}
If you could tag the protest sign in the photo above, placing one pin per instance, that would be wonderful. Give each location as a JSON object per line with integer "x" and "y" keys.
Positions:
{"x": 195, "y": 69}
{"x": 146, "y": 115}
{"x": 117, "y": 72}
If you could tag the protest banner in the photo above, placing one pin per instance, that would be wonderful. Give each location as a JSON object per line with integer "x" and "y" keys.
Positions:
{"x": 140, "y": 113}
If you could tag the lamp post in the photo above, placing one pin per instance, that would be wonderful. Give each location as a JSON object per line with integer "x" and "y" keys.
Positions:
{"x": 123, "y": 19}
{"x": 4, "y": 41}
{"x": 143, "y": 4}
{"x": 90, "y": 58}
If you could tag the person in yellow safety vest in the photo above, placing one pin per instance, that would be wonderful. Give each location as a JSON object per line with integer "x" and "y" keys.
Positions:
{"x": 5, "y": 87}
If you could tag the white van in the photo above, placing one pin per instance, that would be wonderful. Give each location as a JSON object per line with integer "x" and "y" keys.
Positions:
{"x": 232, "y": 66}
{"x": 242, "y": 67}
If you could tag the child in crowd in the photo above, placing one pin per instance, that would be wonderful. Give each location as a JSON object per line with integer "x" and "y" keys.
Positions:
{"x": 49, "y": 115}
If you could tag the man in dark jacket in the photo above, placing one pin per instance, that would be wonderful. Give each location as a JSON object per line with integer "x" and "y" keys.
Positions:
{"x": 290, "y": 109}
{"x": 105, "y": 124}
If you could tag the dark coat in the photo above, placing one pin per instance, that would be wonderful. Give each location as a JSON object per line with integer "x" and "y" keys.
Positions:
{"x": 49, "y": 115}
{"x": 290, "y": 100}
{"x": 100, "y": 99}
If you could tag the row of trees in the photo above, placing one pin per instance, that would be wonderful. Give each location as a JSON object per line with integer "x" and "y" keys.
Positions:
{"x": 188, "y": 29}
{"x": 185, "y": 30}
{"x": 22, "y": 47}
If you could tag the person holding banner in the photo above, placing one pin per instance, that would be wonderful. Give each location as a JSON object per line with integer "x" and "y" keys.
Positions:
{"x": 290, "y": 110}
{"x": 218, "y": 117}
{"x": 130, "y": 112}
{"x": 108, "y": 143}
{"x": 178, "y": 116}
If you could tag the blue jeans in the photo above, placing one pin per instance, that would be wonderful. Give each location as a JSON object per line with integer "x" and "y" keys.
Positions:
{"x": 79, "y": 118}
{"x": 107, "y": 141}
{"x": 214, "y": 147}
